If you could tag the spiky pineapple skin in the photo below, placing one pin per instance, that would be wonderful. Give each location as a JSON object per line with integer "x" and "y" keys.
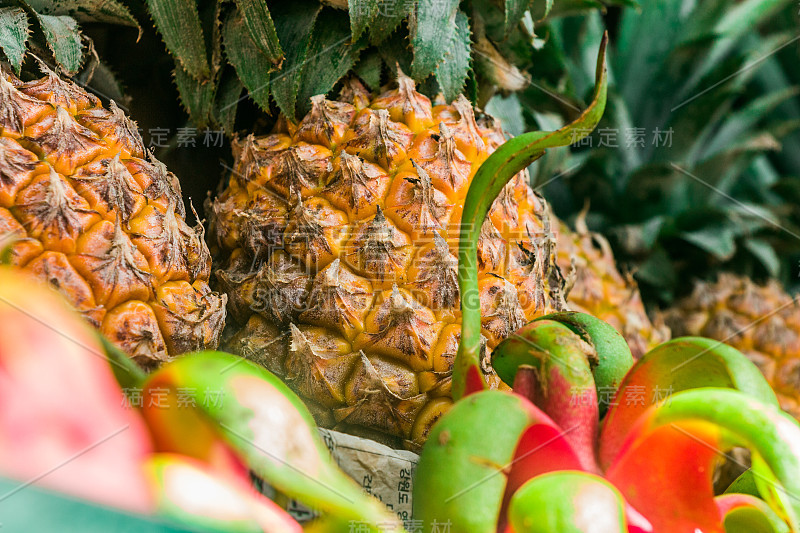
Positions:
{"x": 761, "y": 321}
{"x": 338, "y": 240}
{"x": 85, "y": 210}
{"x": 595, "y": 286}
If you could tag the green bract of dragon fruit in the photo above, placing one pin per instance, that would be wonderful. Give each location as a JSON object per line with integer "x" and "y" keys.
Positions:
{"x": 177, "y": 446}
{"x": 541, "y": 458}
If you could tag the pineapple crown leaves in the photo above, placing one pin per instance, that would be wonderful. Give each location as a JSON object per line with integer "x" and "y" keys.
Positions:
{"x": 710, "y": 194}
{"x": 283, "y": 53}
{"x": 54, "y": 24}
{"x": 14, "y": 33}
{"x": 179, "y": 24}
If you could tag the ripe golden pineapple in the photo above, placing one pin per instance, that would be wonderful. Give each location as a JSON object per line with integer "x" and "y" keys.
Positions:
{"x": 339, "y": 237}
{"x": 84, "y": 209}
{"x": 595, "y": 286}
{"x": 761, "y": 321}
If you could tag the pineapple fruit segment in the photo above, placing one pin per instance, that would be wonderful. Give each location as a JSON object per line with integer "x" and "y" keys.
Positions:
{"x": 761, "y": 321}
{"x": 598, "y": 288}
{"x": 338, "y": 240}
{"x": 86, "y": 210}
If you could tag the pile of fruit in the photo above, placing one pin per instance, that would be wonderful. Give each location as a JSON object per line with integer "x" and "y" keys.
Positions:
{"x": 382, "y": 267}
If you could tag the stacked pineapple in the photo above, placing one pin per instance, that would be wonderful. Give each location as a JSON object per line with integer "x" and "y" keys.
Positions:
{"x": 339, "y": 239}
{"x": 762, "y": 321}
{"x": 597, "y": 287}
{"x": 85, "y": 210}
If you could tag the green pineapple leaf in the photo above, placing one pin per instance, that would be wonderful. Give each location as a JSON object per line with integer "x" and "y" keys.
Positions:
{"x": 102, "y": 81}
{"x": 369, "y": 68}
{"x": 395, "y": 52}
{"x": 643, "y": 36}
{"x": 249, "y": 61}
{"x": 63, "y": 39}
{"x": 745, "y": 119}
{"x": 211, "y": 24}
{"x": 432, "y": 31}
{"x": 104, "y": 11}
{"x": 197, "y": 96}
{"x": 294, "y": 24}
{"x": 721, "y": 18}
{"x": 179, "y": 24}
{"x": 765, "y": 254}
{"x": 658, "y": 271}
{"x": 390, "y": 14}
{"x": 697, "y": 115}
{"x": 471, "y": 87}
{"x": 452, "y": 72}
{"x": 759, "y": 214}
{"x": 718, "y": 241}
{"x": 729, "y": 33}
{"x": 514, "y": 9}
{"x": 14, "y": 32}
{"x": 362, "y": 13}
{"x": 728, "y": 119}
{"x": 541, "y": 10}
{"x": 228, "y": 96}
{"x": 508, "y": 111}
{"x": 565, "y": 8}
{"x": 256, "y": 17}
{"x": 307, "y": 54}
{"x": 331, "y": 54}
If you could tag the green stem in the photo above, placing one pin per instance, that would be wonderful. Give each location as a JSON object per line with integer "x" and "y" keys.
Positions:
{"x": 509, "y": 159}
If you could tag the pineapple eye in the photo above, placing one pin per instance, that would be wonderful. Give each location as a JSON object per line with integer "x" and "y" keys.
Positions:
{"x": 103, "y": 221}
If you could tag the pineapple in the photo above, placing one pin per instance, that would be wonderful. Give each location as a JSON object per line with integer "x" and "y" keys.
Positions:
{"x": 598, "y": 288}
{"x": 762, "y": 321}
{"x": 84, "y": 209}
{"x": 338, "y": 238}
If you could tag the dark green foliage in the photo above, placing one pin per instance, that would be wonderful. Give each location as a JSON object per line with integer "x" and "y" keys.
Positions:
{"x": 362, "y": 13}
{"x": 433, "y": 28}
{"x": 105, "y": 11}
{"x": 178, "y": 21}
{"x": 331, "y": 55}
{"x": 708, "y": 196}
{"x": 197, "y": 96}
{"x": 248, "y": 60}
{"x": 258, "y": 21}
{"x": 286, "y": 52}
{"x": 63, "y": 39}
{"x": 295, "y": 25}
{"x": 452, "y": 71}
{"x": 13, "y": 34}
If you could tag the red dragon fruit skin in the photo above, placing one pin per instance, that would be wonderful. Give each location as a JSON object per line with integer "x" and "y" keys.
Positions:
{"x": 64, "y": 423}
